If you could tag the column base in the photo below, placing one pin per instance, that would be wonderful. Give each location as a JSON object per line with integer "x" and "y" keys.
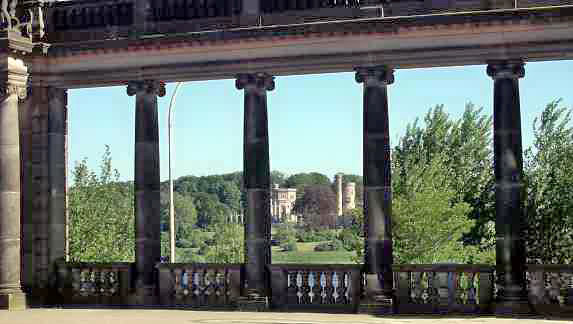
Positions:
{"x": 510, "y": 308}
{"x": 378, "y": 305}
{"x": 13, "y": 301}
{"x": 145, "y": 297}
{"x": 253, "y": 303}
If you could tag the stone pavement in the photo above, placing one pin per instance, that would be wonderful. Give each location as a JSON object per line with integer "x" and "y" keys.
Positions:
{"x": 97, "y": 316}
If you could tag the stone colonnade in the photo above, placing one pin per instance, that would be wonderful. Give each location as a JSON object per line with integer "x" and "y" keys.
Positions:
{"x": 43, "y": 158}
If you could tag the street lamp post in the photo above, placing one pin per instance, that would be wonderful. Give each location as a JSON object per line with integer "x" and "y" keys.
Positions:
{"x": 171, "y": 206}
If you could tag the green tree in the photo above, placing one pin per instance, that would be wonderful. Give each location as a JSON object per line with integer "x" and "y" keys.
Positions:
{"x": 228, "y": 246}
{"x": 427, "y": 227}
{"x": 302, "y": 180}
{"x": 101, "y": 212}
{"x": 549, "y": 182}
{"x": 209, "y": 210}
{"x": 465, "y": 145}
{"x": 185, "y": 215}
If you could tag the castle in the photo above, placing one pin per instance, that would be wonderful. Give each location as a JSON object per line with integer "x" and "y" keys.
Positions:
{"x": 283, "y": 200}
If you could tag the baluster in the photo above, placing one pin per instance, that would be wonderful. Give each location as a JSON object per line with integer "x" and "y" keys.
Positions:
{"x": 299, "y": 290}
{"x": 196, "y": 285}
{"x": 431, "y": 291}
{"x": 537, "y": 286}
{"x": 403, "y": 290}
{"x": 93, "y": 277}
{"x": 347, "y": 289}
{"x": 190, "y": 281}
{"x": 461, "y": 291}
{"x": 554, "y": 289}
{"x": 569, "y": 285}
{"x": 208, "y": 281}
{"x": 471, "y": 288}
{"x": 177, "y": 284}
{"x": 335, "y": 285}
{"x": 416, "y": 287}
{"x": 101, "y": 279}
{"x": 311, "y": 287}
{"x": 218, "y": 285}
{"x": 76, "y": 280}
{"x": 323, "y": 294}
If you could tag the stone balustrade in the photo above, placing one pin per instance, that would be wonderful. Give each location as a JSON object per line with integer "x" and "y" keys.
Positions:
{"x": 199, "y": 285}
{"x": 443, "y": 288}
{"x": 419, "y": 289}
{"x": 94, "y": 283}
{"x": 335, "y": 287}
{"x": 550, "y": 288}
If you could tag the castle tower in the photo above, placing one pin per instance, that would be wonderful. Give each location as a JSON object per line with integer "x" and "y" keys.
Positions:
{"x": 349, "y": 195}
{"x": 338, "y": 180}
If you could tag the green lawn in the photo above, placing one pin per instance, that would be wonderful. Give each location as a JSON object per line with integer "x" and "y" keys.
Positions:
{"x": 306, "y": 254}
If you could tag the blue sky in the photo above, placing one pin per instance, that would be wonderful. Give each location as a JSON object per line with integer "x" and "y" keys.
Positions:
{"x": 315, "y": 121}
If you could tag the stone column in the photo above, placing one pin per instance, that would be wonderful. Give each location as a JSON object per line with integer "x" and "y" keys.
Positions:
{"x": 508, "y": 166}
{"x": 257, "y": 185}
{"x": 44, "y": 191}
{"x": 146, "y": 186}
{"x": 12, "y": 89}
{"x": 379, "y": 296}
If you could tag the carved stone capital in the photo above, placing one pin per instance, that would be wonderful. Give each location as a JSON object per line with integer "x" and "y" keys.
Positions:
{"x": 58, "y": 94}
{"x": 513, "y": 69}
{"x": 148, "y": 86}
{"x": 255, "y": 81}
{"x": 14, "y": 89}
{"x": 375, "y": 75}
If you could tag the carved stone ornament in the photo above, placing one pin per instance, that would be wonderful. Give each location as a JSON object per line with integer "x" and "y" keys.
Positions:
{"x": 375, "y": 75}
{"x": 14, "y": 89}
{"x": 255, "y": 81}
{"x": 58, "y": 94}
{"x": 148, "y": 86}
{"x": 506, "y": 69}
{"x": 25, "y": 18}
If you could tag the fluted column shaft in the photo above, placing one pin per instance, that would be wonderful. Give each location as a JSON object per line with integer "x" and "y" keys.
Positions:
{"x": 10, "y": 283}
{"x": 377, "y": 183}
{"x": 508, "y": 169}
{"x": 256, "y": 179}
{"x": 147, "y": 182}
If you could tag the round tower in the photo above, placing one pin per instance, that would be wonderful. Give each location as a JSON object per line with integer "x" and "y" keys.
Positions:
{"x": 349, "y": 196}
{"x": 338, "y": 181}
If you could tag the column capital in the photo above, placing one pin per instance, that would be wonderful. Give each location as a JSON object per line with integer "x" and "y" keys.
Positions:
{"x": 9, "y": 88}
{"x": 508, "y": 69}
{"x": 374, "y": 75}
{"x": 148, "y": 86}
{"x": 255, "y": 81}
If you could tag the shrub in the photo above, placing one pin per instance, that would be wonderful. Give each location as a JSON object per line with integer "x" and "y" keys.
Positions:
{"x": 333, "y": 245}
{"x": 183, "y": 243}
{"x": 348, "y": 239}
{"x": 289, "y": 246}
